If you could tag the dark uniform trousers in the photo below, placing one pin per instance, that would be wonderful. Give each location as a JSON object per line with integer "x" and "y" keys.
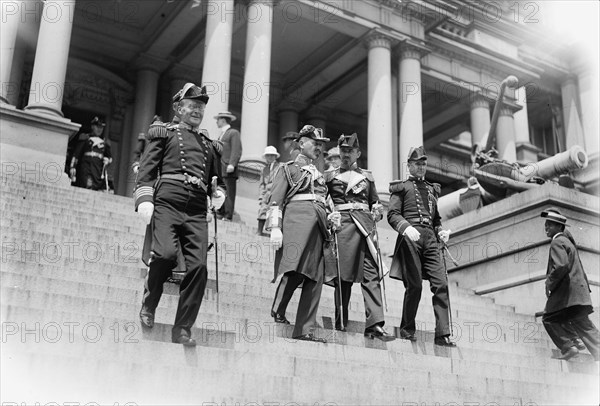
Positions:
{"x": 432, "y": 269}
{"x": 309, "y": 300}
{"x": 568, "y": 324}
{"x": 179, "y": 214}
{"x": 371, "y": 290}
{"x": 229, "y": 205}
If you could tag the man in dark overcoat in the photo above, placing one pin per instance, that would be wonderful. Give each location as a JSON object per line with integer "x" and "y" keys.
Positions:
{"x": 413, "y": 213}
{"x": 566, "y": 315}
{"x": 176, "y": 207}
{"x": 355, "y": 198}
{"x": 230, "y": 158}
{"x": 297, "y": 222}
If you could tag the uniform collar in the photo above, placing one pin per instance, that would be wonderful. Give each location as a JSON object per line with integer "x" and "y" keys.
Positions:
{"x": 303, "y": 160}
{"x": 353, "y": 167}
{"x": 415, "y": 179}
{"x": 185, "y": 126}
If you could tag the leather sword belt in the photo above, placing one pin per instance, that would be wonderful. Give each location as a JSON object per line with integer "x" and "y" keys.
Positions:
{"x": 94, "y": 154}
{"x": 187, "y": 179}
{"x": 423, "y": 221}
{"x": 307, "y": 196}
{"x": 352, "y": 206}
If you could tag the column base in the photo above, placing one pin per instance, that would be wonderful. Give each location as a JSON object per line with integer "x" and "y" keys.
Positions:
{"x": 44, "y": 109}
{"x": 34, "y": 145}
{"x": 527, "y": 153}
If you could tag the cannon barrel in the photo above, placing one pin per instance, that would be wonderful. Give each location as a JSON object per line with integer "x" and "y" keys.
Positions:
{"x": 561, "y": 163}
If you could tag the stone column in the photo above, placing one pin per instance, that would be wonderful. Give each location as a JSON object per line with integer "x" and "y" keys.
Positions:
{"x": 288, "y": 121}
{"x": 146, "y": 89}
{"x": 411, "y": 108}
{"x": 480, "y": 120}
{"x": 526, "y": 151}
{"x": 255, "y": 95}
{"x": 588, "y": 94}
{"x": 379, "y": 132}
{"x": 505, "y": 135}
{"x": 51, "y": 55}
{"x": 11, "y": 11}
{"x": 571, "y": 113}
{"x": 217, "y": 61}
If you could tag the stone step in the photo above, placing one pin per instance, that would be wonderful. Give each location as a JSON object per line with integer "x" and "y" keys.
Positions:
{"x": 151, "y": 384}
{"x": 254, "y": 298}
{"x": 514, "y": 338}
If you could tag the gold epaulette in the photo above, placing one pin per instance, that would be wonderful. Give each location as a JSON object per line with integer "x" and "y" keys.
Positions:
{"x": 396, "y": 186}
{"x": 157, "y": 129}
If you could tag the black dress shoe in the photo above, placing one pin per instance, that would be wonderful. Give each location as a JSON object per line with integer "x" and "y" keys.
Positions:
{"x": 146, "y": 317}
{"x": 185, "y": 340}
{"x": 444, "y": 342}
{"x": 579, "y": 344}
{"x": 569, "y": 353}
{"x": 407, "y": 336}
{"x": 278, "y": 318}
{"x": 377, "y": 331}
{"x": 310, "y": 337}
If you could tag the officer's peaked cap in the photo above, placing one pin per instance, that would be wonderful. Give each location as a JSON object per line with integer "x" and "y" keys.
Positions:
{"x": 417, "y": 154}
{"x": 97, "y": 121}
{"x": 348, "y": 141}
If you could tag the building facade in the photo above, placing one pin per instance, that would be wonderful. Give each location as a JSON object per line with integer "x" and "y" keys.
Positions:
{"x": 398, "y": 73}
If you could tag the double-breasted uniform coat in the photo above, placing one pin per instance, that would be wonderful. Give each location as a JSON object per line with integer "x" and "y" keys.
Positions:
{"x": 414, "y": 203}
{"x": 353, "y": 194}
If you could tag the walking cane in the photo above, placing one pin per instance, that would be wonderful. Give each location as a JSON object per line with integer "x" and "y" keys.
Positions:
{"x": 216, "y": 244}
{"x": 380, "y": 265}
{"x": 339, "y": 277}
{"x": 104, "y": 176}
{"x": 443, "y": 250}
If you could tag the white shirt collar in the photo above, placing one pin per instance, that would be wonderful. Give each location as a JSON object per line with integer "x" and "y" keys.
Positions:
{"x": 225, "y": 128}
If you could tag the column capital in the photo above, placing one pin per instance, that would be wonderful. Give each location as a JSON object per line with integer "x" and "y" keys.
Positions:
{"x": 478, "y": 100}
{"x": 150, "y": 62}
{"x": 506, "y": 111}
{"x": 409, "y": 50}
{"x": 378, "y": 39}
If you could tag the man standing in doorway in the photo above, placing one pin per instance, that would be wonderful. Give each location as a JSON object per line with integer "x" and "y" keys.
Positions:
{"x": 230, "y": 157}
{"x": 90, "y": 158}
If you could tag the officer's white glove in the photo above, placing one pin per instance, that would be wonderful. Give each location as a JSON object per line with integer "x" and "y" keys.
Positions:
{"x": 209, "y": 217}
{"x": 106, "y": 161}
{"x": 377, "y": 212}
{"x": 72, "y": 173}
{"x": 444, "y": 235}
{"x": 412, "y": 233}
{"x": 136, "y": 168}
{"x": 335, "y": 220}
{"x": 230, "y": 168}
{"x": 276, "y": 237}
{"x": 218, "y": 198}
{"x": 145, "y": 209}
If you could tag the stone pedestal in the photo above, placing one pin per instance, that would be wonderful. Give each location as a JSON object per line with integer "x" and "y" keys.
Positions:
{"x": 34, "y": 146}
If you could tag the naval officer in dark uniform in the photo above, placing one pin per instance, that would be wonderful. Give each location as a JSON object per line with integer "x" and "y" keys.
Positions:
{"x": 413, "y": 213}
{"x": 176, "y": 207}
{"x": 91, "y": 156}
{"x": 355, "y": 198}
{"x": 299, "y": 193}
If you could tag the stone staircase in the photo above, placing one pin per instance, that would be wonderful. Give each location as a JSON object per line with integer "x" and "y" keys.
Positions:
{"x": 71, "y": 285}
